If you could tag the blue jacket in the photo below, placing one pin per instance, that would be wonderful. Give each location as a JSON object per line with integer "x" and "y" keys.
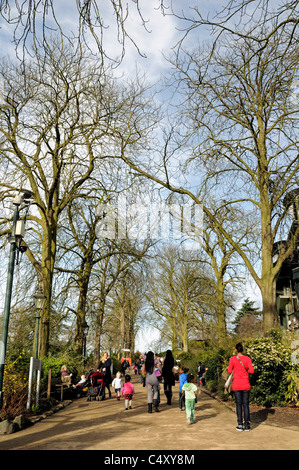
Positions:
{"x": 183, "y": 379}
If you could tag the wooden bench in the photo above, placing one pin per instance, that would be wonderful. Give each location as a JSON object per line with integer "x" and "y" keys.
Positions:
{"x": 63, "y": 385}
{"x": 57, "y": 386}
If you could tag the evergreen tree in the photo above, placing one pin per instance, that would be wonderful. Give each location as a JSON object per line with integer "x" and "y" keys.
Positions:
{"x": 246, "y": 310}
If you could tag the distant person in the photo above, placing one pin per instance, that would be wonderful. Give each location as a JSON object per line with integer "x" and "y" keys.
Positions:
{"x": 151, "y": 382}
{"x": 142, "y": 376}
{"x": 242, "y": 366}
{"x": 189, "y": 389}
{"x": 117, "y": 384}
{"x": 124, "y": 366}
{"x": 200, "y": 375}
{"x": 167, "y": 374}
{"x": 105, "y": 368}
{"x": 64, "y": 374}
{"x": 128, "y": 392}
{"x": 183, "y": 379}
{"x": 82, "y": 380}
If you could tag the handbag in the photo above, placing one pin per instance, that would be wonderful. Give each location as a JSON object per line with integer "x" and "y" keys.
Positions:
{"x": 228, "y": 383}
{"x": 158, "y": 375}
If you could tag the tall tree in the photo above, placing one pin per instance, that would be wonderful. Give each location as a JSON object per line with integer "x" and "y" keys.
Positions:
{"x": 179, "y": 291}
{"x": 239, "y": 119}
{"x": 89, "y": 24}
{"x": 62, "y": 116}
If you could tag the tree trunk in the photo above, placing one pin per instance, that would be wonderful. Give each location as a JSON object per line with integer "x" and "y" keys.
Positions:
{"x": 122, "y": 327}
{"x": 99, "y": 327}
{"x": 48, "y": 259}
{"x": 79, "y": 338}
{"x": 270, "y": 316}
{"x": 221, "y": 317}
{"x": 81, "y": 310}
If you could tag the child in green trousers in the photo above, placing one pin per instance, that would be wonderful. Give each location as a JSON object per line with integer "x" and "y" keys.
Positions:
{"x": 190, "y": 391}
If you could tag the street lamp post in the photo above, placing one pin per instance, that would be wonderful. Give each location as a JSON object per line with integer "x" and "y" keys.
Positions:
{"x": 85, "y": 328}
{"x": 40, "y": 300}
{"x": 15, "y": 238}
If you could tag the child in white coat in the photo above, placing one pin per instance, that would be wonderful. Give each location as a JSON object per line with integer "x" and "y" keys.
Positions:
{"x": 117, "y": 384}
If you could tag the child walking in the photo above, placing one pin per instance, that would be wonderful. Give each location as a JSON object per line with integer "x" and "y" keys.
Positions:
{"x": 128, "y": 391}
{"x": 190, "y": 391}
{"x": 183, "y": 379}
{"x": 116, "y": 384}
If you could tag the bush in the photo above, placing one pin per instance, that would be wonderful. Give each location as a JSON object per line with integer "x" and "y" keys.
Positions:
{"x": 275, "y": 381}
{"x": 15, "y": 389}
{"x": 271, "y": 358}
{"x": 74, "y": 365}
{"x": 292, "y": 378}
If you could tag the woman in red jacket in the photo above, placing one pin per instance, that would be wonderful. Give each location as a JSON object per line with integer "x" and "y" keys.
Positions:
{"x": 242, "y": 366}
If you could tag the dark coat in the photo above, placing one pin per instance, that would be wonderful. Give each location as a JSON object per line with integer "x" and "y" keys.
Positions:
{"x": 167, "y": 373}
{"x": 107, "y": 373}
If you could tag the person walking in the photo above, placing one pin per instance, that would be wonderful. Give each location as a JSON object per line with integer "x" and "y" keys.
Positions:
{"x": 117, "y": 384}
{"x": 189, "y": 389}
{"x": 241, "y": 365}
{"x": 141, "y": 362}
{"x": 182, "y": 380}
{"x": 105, "y": 368}
{"x": 200, "y": 375}
{"x": 128, "y": 392}
{"x": 151, "y": 382}
{"x": 168, "y": 376}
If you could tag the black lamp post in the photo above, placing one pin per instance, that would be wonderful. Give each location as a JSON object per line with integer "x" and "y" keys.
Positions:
{"x": 85, "y": 328}
{"x": 40, "y": 300}
{"x": 18, "y": 229}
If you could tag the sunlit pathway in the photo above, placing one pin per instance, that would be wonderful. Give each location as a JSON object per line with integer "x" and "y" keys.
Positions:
{"x": 108, "y": 426}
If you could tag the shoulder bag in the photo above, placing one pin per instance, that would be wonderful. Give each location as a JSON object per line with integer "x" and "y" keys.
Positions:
{"x": 228, "y": 383}
{"x": 241, "y": 362}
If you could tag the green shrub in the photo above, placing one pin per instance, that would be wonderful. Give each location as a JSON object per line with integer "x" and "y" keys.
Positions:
{"x": 75, "y": 365}
{"x": 292, "y": 378}
{"x": 15, "y": 389}
{"x": 275, "y": 381}
{"x": 271, "y": 361}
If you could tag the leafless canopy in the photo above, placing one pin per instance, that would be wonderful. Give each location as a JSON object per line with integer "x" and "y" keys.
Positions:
{"x": 34, "y": 21}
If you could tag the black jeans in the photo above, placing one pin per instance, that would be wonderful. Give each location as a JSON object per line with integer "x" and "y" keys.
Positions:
{"x": 181, "y": 400}
{"x": 242, "y": 403}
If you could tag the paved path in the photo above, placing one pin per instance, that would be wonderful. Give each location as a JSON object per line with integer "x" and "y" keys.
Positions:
{"x": 108, "y": 426}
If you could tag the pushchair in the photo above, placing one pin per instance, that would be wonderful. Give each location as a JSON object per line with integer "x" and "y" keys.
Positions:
{"x": 96, "y": 390}
{"x": 82, "y": 388}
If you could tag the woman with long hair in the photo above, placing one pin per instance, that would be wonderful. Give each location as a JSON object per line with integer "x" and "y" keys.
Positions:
{"x": 151, "y": 382}
{"x": 168, "y": 376}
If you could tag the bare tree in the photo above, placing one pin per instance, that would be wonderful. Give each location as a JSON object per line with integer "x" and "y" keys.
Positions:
{"x": 60, "y": 118}
{"x": 239, "y": 19}
{"x": 125, "y": 305}
{"x": 179, "y": 293}
{"x": 110, "y": 273}
{"x": 239, "y": 118}
{"x": 34, "y": 22}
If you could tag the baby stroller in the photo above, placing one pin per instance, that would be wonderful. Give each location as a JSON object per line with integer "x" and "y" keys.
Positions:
{"x": 96, "y": 389}
{"x": 82, "y": 388}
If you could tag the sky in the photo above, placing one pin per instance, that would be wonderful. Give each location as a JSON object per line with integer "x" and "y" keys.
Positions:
{"x": 156, "y": 40}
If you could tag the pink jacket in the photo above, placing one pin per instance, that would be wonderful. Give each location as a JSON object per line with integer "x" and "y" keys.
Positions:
{"x": 128, "y": 388}
{"x": 240, "y": 380}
